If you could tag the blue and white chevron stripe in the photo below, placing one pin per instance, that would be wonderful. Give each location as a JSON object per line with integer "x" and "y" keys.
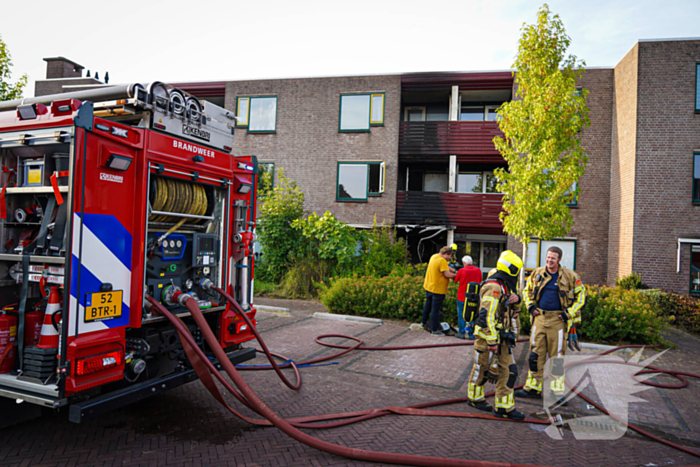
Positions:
{"x": 105, "y": 257}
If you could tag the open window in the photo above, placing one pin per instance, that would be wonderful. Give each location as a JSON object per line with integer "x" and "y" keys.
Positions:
{"x": 359, "y": 180}
{"x": 359, "y": 112}
{"x": 257, "y": 113}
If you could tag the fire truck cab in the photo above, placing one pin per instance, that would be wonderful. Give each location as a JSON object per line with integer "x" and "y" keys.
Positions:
{"x": 110, "y": 196}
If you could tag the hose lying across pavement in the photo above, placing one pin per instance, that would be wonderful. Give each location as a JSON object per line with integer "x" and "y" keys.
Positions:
{"x": 207, "y": 372}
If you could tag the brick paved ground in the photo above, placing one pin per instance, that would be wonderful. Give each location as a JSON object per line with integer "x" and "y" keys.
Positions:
{"x": 187, "y": 427}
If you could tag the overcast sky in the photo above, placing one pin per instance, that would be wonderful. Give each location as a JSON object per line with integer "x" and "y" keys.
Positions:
{"x": 203, "y": 40}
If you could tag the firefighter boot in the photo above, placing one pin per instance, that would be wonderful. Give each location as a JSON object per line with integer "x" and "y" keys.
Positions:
{"x": 512, "y": 415}
{"x": 559, "y": 401}
{"x": 530, "y": 394}
{"x": 481, "y": 405}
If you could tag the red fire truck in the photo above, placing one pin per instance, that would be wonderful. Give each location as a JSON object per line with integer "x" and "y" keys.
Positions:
{"x": 110, "y": 196}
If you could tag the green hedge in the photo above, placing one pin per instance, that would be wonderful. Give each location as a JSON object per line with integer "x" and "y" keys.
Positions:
{"x": 611, "y": 315}
{"x": 679, "y": 310}
{"x": 391, "y": 297}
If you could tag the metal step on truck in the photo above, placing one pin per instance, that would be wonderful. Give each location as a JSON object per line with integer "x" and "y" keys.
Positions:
{"x": 111, "y": 196}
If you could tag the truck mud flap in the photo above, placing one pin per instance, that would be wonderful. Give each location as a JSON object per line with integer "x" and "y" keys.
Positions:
{"x": 96, "y": 406}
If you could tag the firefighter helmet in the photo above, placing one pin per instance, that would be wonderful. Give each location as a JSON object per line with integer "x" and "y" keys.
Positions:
{"x": 510, "y": 263}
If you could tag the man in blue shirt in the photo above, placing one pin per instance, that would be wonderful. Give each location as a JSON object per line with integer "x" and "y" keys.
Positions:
{"x": 554, "y": 296}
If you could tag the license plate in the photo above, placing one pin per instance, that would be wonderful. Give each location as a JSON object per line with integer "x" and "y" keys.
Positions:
{"x": 102, "y": 306}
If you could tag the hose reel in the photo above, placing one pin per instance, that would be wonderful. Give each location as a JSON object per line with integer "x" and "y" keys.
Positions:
{"x": 177, "y": 196}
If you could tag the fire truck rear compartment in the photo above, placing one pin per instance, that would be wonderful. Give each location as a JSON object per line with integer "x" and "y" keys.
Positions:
{"x": 111, "y": 175}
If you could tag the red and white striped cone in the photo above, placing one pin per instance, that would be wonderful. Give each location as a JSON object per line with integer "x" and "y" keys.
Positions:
{"x": 49, "y": 335}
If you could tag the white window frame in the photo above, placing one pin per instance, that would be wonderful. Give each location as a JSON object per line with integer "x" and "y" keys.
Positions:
{"x": 537, "y": 252}
{"x": 483, "y": 181}
{"x": 487, "y": 111}
{"x": 421, "y": 108}
{"x": 382, "y": 180}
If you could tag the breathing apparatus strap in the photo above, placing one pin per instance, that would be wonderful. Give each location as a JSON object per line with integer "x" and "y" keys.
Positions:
{"x": 41, "y": 238}
{"x": 59, "y": 231}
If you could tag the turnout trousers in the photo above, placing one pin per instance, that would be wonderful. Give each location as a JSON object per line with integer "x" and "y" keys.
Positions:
{"x": 547, "y": 337}
{"x": 507, "y": 374}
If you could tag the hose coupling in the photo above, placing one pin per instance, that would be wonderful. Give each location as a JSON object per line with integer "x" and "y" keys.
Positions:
{"x": 183, "y": 297}
{"x": 206, "y": 284}
{"x": 170, "y": 294}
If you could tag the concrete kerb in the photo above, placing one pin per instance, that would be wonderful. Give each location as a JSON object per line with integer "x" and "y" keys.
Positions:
{"x": 273, "y": 309}
{"x": 359, "y": 319}
{"x": 604, "y": 348}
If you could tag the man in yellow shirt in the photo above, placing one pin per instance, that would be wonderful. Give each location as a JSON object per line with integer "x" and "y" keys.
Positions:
{"x": 437, "y": 277}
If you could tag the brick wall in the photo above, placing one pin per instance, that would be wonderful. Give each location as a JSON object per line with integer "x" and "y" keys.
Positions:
{"x": 55, "y": 86}
{"x": 308, "y": 145}
{"x": 592, "y": 211}
{"x": 62, "y": 68}
{"x": 622, "y": 168}
{"x": 668, "y": 132}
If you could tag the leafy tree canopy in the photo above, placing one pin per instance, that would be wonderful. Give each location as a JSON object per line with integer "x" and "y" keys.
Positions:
{"x": 541, "y": 128}
{"x": 9, "y": 91}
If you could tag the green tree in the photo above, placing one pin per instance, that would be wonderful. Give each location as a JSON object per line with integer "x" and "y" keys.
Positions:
{"x": 541, "y": 128}
{"x": 327, "y": 249}
{"x": 381, "y": 251}
{"x": 280, "y": 241}
{"x": 9, "y": 91}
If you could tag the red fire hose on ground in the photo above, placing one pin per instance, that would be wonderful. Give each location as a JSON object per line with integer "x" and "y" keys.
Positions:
{"x": 207, "y": 372}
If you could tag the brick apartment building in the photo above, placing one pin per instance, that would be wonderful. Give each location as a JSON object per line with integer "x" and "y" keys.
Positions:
{"x": 416, "y": 150}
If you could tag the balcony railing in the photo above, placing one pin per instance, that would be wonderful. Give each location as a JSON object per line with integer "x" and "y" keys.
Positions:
{"x": 469, "y": 212}
{"x": 469, "y": 141}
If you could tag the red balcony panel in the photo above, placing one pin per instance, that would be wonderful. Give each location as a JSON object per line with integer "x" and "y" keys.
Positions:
{"x": 469, "y": 141}
{"x": 468, "y": 212}
{"x": 426, "y": 82}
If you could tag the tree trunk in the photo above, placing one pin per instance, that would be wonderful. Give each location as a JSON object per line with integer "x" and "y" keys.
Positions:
{"x": 521, "y": 285}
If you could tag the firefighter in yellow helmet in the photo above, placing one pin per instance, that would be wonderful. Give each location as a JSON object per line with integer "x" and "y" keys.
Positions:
{"x": 554, "y": 296}
{"x": 496, "y": 333}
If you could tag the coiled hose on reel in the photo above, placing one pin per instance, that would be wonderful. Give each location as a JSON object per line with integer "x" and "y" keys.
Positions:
{"x": 177, "y": 196}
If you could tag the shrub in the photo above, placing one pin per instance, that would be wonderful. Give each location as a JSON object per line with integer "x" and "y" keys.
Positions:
{"x": 325, "y": 239}
{"x": 631, "y": 282}
{"x": 620, "y": 316}
{"x": 303, "y": 277}
{"x": 680, "y": 310}
{"x": 391, "y": 297}
{"x": 265, "y": 289}
{"x": 381, "y": 252}
{"x": 279, "y": 240}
